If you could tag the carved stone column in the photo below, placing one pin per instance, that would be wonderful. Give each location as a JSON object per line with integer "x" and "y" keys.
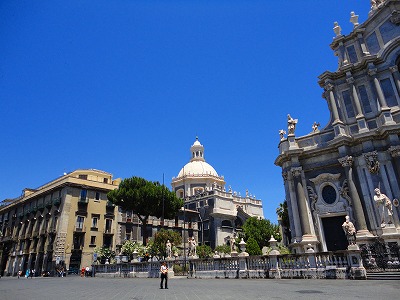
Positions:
{"x": 386, "y": 115}
{"x": 301, "y": 200}
{"x": 292, "y": 201}
{"x": 396, "y": 76}
{"x": 332, "y": 102}
{"x": 337, "y": 123}
{"x": 362, "y": 125}
{"x": 361, "y": 224}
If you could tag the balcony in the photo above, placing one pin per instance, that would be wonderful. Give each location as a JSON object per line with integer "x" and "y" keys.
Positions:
{"x": 80, "y": 229}
{"x": 108, "y": 231}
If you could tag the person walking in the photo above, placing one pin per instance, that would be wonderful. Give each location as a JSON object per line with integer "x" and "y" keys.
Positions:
{"x": 164, "y": 275}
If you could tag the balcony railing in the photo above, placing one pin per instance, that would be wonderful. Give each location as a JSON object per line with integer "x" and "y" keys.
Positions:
{"x": 108, "y": 231}
{"x": 80, "y": 229}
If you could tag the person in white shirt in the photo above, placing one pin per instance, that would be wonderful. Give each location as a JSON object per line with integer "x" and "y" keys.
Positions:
{"x": 164, "y": 275}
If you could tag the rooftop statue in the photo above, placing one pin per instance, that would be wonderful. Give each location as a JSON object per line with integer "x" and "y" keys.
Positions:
{"x": 291, "y": 124}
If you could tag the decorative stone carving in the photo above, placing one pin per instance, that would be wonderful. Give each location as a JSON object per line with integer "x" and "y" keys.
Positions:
{"x": 282, "y": 134}
{"x": 371, "y": 158}
{"x": 350, "y": 80}
{"x": 296, "y": 172}
{"x": 324, "y": 177}
{"x": 394, "y": 151}
{"x": 344, "y": 191}
{"x": 372, "y": 72}
{"x": 337, "y": 29}
{"x": 313, "y": 196}
{"x": 354, "y": 19}
{"x": 315, "y": 126}
{"x": 394, "y": 69}
{"x": 291, "y": 124}
{"x": 395, "y": 18}
{"x": 285, "y": 176}
{"x": 346, "y": 161}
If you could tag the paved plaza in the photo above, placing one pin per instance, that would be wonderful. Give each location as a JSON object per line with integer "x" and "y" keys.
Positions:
{"x": 74, "y": 287}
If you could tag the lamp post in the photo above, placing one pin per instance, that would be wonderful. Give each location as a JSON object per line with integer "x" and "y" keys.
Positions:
{"x": 184, "y": 237}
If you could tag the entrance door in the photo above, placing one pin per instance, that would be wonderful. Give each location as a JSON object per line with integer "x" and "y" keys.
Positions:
{"x": 334, "y": 235}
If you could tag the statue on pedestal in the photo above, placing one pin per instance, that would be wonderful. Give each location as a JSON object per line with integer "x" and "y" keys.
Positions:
{"x": 350, "y": 231}
{"x": 232, "y": 241}
{"x": 192, "y": 246}
{"x": 168, "y": 249}
{"x": 291, "y": 124}
{"x": 384, "y": 205}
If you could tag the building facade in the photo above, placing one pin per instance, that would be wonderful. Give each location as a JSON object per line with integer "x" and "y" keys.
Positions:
{"x": 221, "y": 211}
{"x": 336, "y": 171}
{"x": 61, "y": 222}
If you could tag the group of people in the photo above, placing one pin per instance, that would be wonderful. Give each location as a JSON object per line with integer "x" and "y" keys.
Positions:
{"x": 28, "y": 274}
{"x": 85, "y": 272}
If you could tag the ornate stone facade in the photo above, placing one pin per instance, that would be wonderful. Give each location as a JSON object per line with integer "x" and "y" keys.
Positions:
{"x": 333, "y": 172}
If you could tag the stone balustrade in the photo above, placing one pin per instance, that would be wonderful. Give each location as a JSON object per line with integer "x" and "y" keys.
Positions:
{"x": 322, "y": 265}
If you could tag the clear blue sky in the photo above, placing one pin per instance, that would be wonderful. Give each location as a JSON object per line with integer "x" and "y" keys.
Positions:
{"x": 125, "y": 86}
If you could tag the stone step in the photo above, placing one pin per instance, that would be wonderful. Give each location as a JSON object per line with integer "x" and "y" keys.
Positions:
{"x": 383, "y": 276}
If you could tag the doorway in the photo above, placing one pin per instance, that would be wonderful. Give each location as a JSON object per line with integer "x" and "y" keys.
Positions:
{"x": 335, "y": 238}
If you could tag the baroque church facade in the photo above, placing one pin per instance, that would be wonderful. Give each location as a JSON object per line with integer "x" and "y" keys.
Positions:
{"x": 221, "y": 212}
{"x": 348, "y": 167}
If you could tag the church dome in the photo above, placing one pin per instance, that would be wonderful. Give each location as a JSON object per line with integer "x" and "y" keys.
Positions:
{"x": 197, "y": 167}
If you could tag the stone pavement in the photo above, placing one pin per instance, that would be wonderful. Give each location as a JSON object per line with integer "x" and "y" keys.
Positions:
{"x": 74, "y": 287}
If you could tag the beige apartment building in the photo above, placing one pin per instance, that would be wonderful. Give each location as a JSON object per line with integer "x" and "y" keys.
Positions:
{"x": 61, "y": 222}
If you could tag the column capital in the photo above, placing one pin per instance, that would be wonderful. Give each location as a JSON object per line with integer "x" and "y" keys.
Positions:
{"x": 372, "y": 72}
{"x": 296, "y": 172}
{"x": 350, "y": 80}
{"x": 328, "y": 86}
{"x": 394, "y": 69}
{"x": 394, "y": 151}
{"x": 346, "y": 161}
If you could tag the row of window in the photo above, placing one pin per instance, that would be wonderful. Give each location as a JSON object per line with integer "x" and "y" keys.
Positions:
{"x": 388, "y": 91}
{"x": 80, "y": 220}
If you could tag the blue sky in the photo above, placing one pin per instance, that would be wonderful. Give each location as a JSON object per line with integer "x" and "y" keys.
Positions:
{"x": 125, "y": 86}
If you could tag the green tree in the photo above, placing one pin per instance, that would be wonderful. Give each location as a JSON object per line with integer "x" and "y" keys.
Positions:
{"x": 145, "y": 199}
{"x": 283, "y": 215}
{"x": 223, "y": 249}
{"x": 260, "y": 230}
{"x": 129, "y": 247}
{"x": 157, "y": 244}
{"x": 104, "y": 254}
{"x": 252, "y": 247}
{"x": 204, "y": 251}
